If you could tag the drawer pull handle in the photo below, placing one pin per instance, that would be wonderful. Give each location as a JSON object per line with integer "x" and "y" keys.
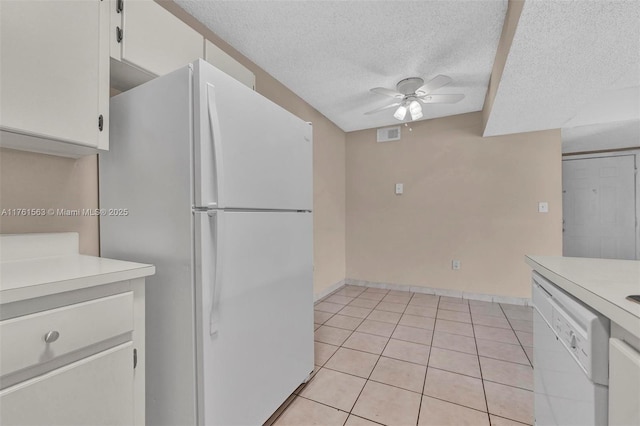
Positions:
{"x": 51, "y": 336}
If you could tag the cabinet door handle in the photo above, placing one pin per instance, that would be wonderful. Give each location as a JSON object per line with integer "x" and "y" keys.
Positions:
{"x": 51, "y": 336}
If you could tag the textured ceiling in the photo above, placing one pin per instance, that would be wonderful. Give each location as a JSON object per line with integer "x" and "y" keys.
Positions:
{"x": 571, "y": 63}
{"x": 330, "y": 53}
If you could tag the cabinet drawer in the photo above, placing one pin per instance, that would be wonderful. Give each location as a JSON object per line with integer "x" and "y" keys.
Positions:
{"x": 78, "y": 326}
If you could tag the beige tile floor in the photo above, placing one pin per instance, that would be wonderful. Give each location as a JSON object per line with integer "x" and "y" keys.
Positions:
{"x": 399, "y": 358}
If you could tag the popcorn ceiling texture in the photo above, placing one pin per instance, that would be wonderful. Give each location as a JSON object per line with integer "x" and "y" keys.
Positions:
{"x": 571, "y": 63}
{"x": 331, "y": 53}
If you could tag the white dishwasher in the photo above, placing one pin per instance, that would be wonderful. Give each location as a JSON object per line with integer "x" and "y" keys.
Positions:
{"x": 570, "y": 357}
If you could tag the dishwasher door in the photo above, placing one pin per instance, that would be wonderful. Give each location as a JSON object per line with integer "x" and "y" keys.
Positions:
{"x": 564, "y": 395}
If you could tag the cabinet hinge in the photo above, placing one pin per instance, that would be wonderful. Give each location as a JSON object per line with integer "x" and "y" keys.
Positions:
{"x": 119, "y": 6}
{"x": 100, "y": 122}
{"x": 135, "y": 358}
{"x": 118, "y": 34}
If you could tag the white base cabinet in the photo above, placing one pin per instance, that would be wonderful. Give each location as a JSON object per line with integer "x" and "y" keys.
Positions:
{"x": 624, "y": 378}
{"x": 93, "y": 391}
{"x": 72, "y": 334}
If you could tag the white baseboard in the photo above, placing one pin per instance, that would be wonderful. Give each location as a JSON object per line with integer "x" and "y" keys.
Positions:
{"x": 327, "y": 291}
{"x": 442, "y": 292}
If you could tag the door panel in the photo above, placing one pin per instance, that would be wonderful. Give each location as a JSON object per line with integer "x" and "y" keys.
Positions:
{"x": 255, "y": 273}
{"x": 94, "y": 391}
{"x": 54, "y": 71}
{"x": 155, "y": 40}
{"x": 624, "y": 384}
{"x": 599, "y": 207}
{"x": 251, "y": 153}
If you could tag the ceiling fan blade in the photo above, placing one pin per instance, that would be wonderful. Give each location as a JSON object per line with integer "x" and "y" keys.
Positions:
{"x": 382, "y": 108}
{"x": 441, "y": 99}
{"x": 387, "y": 92}
{"x": 434, "y": 84}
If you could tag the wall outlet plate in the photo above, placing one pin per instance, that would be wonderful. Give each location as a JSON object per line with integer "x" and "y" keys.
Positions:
{"x": 455, "y": 265}
{"x": 543, "y": 207}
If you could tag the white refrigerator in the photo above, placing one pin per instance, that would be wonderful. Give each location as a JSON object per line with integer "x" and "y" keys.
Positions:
{"x": 216, "y": 181}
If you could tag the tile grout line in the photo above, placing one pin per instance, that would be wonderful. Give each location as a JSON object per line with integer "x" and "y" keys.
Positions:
{"x": 424, "y": 382}
{"x": 484, "y": 391}
{"x": 380, "y": 355}
{"x": 517, "y": 337}
{"x": 341, "y": 346}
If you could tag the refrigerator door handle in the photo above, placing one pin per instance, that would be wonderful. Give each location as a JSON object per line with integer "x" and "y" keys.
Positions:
{"x": 215, "y": 185}
{"x": 214, "y": 312}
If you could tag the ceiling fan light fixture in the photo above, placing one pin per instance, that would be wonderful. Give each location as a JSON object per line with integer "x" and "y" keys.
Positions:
{"x": 400, "y": 113}
{"x": 415, "y": 109}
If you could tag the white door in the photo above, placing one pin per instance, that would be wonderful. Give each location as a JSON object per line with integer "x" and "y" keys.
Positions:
{"x": 599, "y": 207}
{"x": 254, "y": 285}
{"x": 250, "y": 153}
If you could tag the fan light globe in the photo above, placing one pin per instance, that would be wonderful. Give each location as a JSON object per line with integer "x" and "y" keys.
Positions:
{"x": 415, "y": 109}
{"x": 400, "y": 113}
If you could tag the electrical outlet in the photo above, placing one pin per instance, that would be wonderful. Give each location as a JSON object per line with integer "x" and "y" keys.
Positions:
{"x": 543, "y": 207}
{"x": 455, "y": 265}
{"x": 399, "y": 188}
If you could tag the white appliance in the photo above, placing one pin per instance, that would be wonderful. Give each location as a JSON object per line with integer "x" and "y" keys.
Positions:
{"x": 216, "y": 181}
{"x": 570, "y": 358}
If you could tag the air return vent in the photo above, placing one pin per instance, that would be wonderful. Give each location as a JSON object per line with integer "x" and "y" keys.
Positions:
{"x": 389, "y": 134}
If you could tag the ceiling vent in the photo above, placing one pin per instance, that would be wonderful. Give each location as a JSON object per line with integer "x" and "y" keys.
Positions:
{"x": 389, "y": 134}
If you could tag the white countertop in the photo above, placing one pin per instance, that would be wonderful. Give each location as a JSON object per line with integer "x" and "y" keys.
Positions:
{"x": 35, "y": 265}
{"x": 602, "y": 284}
{"x": 28, "y": 278}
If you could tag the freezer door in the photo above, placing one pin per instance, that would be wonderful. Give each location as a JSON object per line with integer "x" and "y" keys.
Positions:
{"x": 249, "y": 153}
{"x": 254, "y": 312}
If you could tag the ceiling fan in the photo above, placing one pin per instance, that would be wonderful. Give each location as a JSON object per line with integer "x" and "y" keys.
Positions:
{"x": 411, "y": 90}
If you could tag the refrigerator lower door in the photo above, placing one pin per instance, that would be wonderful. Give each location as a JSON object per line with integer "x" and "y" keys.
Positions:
{"x": 254, "y": 315}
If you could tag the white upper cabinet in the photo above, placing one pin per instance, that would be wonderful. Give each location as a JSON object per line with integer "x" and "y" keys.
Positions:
{"x": 148, "y": 37}
{"x": 225, "y": 63}
{"x": 54, "y": 76}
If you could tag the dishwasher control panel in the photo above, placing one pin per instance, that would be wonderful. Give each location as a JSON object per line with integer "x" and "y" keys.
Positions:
{"x": 574, "y": 339}
{"x": 582, "y": 331}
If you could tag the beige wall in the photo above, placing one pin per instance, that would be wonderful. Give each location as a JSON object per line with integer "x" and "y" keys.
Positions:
{"x": 465, "y": 197}
{"x": 37, "y": 181}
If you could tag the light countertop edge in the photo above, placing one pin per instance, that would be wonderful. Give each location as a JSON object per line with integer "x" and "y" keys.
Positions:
{"x": 600, "y": 298}
{"x": 27, "y": 279}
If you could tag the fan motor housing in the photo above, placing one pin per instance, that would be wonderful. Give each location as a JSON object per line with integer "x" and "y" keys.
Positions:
{"x": 408, "y": 86}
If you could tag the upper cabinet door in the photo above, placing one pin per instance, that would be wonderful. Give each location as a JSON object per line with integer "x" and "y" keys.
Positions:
{"x": 54, "y": 74}
{"x": 152, "y": 39}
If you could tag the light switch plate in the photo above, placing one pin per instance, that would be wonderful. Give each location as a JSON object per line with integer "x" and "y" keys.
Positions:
{"x": 399, "y": 188}
{"x": 543, "y": 207}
